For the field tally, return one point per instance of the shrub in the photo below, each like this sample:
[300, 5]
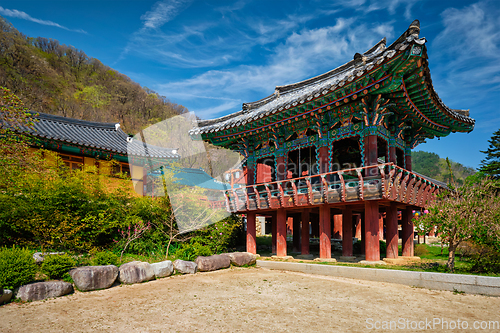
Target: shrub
[420, 250]
[487, 260]
[190, 251]
[383, 247]
[17, 267]
[105, 258]
[56, 266]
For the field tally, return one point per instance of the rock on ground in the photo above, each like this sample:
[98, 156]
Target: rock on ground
[42, 290]
[5, 295]
[213, 263]
[185, 267]
[136, 272]
[94, 277]
[241, 258]
[163, 268]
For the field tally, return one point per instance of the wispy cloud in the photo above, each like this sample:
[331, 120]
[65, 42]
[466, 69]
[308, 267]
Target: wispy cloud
[368, 6]
[469, 50]
[162, 12]
[302, 55]
[22, 15]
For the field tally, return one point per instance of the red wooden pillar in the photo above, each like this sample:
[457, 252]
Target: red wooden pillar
[273, 231]
[337, 226]
[370, 147]
[391, 237]
[281, 168]
[251, 236]
[357, 224]
[407, 238]
[296, 233]
[392, 155]
[363, 236]
[325, 246]
[408, 165]
[380, 226]
[347, 232]
[281, 233]
[323, 160]
[305, 232]
[372, 247]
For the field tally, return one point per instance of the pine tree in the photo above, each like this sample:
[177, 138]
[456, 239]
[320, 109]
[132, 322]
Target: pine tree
[491, 164]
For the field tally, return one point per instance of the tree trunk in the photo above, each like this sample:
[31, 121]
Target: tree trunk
[451, 256]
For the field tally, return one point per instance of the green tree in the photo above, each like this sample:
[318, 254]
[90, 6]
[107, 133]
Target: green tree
[471, 212]
[491, 164]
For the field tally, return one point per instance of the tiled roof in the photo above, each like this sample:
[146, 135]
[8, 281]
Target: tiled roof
[288, 96]
[96, 135]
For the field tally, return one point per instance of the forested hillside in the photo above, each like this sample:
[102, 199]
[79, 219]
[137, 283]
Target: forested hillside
[62, 80]
[431, 165]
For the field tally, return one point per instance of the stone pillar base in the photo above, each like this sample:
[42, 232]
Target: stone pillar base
[325, 260]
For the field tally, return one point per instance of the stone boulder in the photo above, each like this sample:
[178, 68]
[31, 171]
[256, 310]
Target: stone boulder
[185, 267]
[94, 277]
[5, 295]
[136, 272]
[42, 290]
[242, 258]
[213, 263]
[163, 268]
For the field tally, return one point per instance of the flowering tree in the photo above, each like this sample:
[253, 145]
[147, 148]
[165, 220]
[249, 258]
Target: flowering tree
[469, 212]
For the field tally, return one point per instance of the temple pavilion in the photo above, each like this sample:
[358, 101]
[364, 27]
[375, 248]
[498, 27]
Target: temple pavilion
[338, 146]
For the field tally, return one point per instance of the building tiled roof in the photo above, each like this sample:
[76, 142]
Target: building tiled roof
[291, 95]
[96, 135]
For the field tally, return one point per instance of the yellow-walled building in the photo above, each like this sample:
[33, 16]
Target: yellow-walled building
[82, 144]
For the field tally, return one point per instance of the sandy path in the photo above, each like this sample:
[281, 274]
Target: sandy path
[245, 300]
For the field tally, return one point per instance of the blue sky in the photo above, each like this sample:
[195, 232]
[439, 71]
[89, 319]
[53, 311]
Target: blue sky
[211, 56]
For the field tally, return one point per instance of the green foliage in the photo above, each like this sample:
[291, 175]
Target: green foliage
[57, 266]
[491, 164]
[471, 212]
[431, 165]
[53, 207]
[62, 80]
[486, 261]
[420, 250]
[105, 258]
[383, 247]
[17, 267]
[217, 238]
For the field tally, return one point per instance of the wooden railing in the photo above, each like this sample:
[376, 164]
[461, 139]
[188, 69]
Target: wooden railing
[390, 182]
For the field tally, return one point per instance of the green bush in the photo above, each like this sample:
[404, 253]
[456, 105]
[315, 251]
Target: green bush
[57, 266]
[486, 261]
[190, 251]
[105, 258]
[420, 250]
[17, 267]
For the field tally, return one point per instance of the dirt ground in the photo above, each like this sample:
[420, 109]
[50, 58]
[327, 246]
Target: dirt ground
[250, 300]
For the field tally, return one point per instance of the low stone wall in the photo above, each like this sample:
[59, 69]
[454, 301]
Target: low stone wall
[472, 284]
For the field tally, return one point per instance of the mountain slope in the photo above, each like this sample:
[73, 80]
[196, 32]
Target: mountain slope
[431, 165]
[59, 79]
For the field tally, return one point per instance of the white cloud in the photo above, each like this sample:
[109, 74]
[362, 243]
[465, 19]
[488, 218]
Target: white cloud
[367, 6]
[162, 12]
[301, 56]
[22, 15]
[469, 50]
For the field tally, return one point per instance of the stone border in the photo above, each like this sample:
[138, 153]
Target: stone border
[471, 284]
